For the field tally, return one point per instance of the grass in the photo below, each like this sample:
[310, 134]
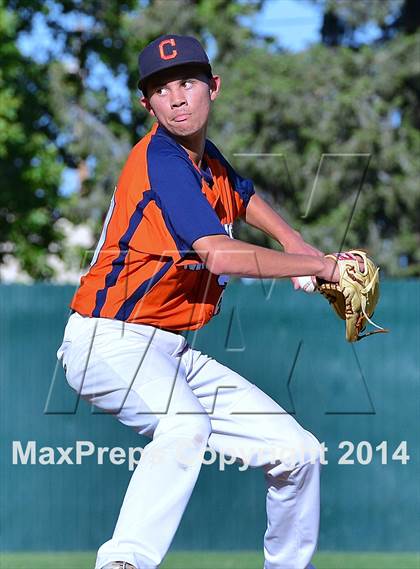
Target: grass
[219, 560]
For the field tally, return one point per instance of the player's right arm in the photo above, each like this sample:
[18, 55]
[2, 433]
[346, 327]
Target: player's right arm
[225, 256]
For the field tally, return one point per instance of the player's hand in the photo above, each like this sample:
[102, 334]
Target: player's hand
[330, 271]
[299, 247]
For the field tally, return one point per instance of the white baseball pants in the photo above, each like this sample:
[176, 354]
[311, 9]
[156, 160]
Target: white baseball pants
[153, 381]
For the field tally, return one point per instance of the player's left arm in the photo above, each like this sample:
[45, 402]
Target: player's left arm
[261, 215]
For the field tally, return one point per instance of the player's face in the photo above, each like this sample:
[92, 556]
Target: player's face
[180, 99]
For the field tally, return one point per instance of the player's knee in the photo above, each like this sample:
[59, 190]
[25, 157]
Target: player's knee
[195, 428]
[311, 448]
[302, 448]
[190, 443]
[200, 429]
[307, 450]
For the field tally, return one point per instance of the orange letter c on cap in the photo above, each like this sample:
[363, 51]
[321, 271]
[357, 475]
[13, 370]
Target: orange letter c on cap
[173, 53]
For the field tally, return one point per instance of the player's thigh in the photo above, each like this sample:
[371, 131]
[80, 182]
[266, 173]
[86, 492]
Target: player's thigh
[129, 376]
[245, 421]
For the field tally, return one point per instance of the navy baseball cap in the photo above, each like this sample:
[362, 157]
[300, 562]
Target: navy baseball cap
[171, 51]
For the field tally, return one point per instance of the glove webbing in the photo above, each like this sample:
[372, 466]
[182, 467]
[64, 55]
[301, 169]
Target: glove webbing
[364, 292]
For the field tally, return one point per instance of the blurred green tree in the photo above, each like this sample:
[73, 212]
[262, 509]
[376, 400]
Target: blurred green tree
[332, 119]
[340, 118]
[30, 165]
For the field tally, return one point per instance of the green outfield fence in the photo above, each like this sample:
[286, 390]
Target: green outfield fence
[362, 401]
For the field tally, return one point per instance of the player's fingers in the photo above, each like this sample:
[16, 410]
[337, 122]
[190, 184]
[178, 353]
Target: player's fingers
[295, 282]
[361, 263]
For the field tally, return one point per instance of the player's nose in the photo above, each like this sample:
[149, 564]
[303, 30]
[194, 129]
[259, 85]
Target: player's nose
[177, 98]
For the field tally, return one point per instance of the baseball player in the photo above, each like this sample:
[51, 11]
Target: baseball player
[160, 267]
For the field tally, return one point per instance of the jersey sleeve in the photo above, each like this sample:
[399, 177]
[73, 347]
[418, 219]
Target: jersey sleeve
[178, 190]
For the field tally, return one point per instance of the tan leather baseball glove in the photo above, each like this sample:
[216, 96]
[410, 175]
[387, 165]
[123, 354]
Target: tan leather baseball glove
[356, 294]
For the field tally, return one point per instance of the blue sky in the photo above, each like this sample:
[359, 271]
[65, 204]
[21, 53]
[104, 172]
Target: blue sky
[294, 23]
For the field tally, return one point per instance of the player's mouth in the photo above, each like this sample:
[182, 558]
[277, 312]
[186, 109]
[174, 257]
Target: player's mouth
[181, 117]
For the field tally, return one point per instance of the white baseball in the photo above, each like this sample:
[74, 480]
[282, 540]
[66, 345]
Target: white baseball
[306, 284]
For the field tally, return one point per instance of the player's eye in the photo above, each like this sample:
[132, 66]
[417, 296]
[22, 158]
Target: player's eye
[188, 83]
[160, 90]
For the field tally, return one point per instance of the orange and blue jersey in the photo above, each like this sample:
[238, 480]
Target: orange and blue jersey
[144, 269]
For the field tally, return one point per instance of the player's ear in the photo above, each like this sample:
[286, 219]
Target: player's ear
[215, 83]
[144, 101]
